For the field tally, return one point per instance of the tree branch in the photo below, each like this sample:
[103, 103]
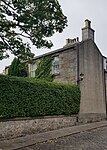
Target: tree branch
[20, 26]
[19, 34]
[4, 40]
[8, 5]
[23, 35]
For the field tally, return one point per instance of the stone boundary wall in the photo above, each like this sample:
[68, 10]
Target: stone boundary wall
[19, 127]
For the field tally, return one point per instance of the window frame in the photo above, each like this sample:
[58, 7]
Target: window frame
[56, 65]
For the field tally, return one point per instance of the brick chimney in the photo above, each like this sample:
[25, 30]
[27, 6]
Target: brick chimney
[87, 31]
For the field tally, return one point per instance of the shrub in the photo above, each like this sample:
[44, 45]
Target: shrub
[29, 98]
[17, 68]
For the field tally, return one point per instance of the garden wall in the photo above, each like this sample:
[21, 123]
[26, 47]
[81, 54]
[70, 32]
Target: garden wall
[21, 127]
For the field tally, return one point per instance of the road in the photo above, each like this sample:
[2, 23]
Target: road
[95, 139]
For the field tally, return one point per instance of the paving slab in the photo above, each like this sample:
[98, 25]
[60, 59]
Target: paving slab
[28, 140]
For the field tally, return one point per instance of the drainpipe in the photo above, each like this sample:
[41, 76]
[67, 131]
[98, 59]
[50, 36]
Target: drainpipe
[78, 78]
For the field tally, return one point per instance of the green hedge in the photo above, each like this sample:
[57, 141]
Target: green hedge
[28, 98]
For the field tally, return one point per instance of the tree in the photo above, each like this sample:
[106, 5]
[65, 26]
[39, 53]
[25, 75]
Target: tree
[32, 19]
[17, 68]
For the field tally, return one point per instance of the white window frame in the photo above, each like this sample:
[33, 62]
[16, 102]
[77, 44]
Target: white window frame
[32, 69]
[55, 66]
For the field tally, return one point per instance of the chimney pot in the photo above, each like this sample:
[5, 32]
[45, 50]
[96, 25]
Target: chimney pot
[87, 23]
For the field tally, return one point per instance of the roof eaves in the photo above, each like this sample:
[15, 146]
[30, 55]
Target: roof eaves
[56, 51]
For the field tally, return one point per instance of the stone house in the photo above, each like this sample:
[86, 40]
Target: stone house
[81, 63]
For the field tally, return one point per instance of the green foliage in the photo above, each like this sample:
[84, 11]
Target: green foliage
[20, 97]
[43, 70]
[17, 68]
[32, 19]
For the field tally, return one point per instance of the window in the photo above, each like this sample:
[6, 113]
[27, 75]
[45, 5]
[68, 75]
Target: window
[55, 65]
[105, 63]
[32, 68]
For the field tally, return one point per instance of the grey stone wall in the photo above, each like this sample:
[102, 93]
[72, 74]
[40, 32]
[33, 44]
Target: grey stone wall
[68, 66]
[92, 86]
[17, 128]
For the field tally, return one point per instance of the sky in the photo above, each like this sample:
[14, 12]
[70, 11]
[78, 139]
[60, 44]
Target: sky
[77, 11]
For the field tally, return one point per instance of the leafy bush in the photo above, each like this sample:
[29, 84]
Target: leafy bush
[17, 68]
[29, 98]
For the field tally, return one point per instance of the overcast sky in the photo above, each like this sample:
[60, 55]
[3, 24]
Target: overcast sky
[77, 11]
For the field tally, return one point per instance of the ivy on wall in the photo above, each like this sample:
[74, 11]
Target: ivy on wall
[43, 70]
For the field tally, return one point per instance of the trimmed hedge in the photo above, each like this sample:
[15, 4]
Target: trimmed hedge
[20, 97]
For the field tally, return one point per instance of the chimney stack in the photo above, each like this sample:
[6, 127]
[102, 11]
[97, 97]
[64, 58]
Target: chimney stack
[87, 31]
[70, 42]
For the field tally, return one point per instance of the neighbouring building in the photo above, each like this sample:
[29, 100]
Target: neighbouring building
[81, 63]
[5, 71]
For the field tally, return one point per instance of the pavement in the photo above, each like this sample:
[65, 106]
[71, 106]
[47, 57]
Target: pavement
[34, 139]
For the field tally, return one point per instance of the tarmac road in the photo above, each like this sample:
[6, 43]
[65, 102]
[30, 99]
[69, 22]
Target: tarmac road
[95, 139]
[92, 136]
